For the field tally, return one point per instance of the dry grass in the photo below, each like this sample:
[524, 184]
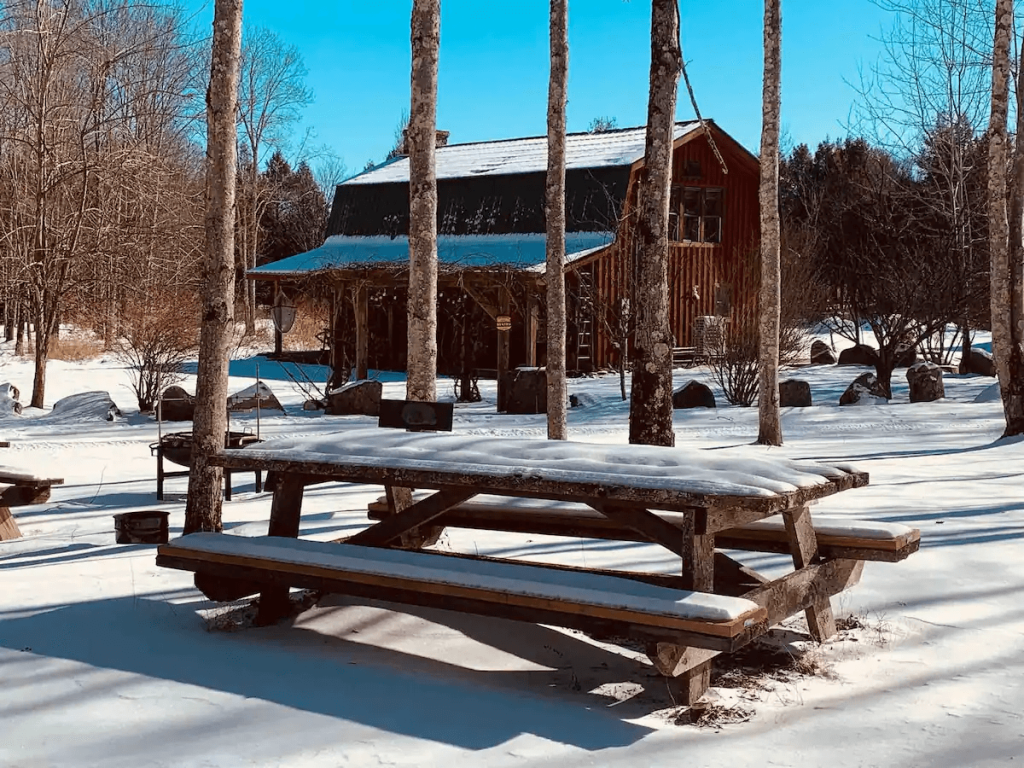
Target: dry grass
[241, 615]
[71, 348]
[311, 318]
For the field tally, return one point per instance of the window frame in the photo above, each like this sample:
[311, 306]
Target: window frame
[690, 214]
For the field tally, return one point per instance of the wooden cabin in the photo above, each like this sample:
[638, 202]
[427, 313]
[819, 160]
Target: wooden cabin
[492, 249]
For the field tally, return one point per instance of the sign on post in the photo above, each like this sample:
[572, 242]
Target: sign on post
[504, 322]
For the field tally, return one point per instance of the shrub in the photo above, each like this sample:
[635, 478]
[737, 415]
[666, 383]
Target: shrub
[158, 335]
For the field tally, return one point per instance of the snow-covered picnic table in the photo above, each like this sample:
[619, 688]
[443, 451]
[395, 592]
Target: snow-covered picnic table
[675, 497]
[17, 489]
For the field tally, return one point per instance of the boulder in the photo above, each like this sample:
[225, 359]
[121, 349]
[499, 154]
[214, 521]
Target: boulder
[177, 405]
[526, 391]
[865, 390]
[85, 406]
[859, 354]
[693, 394]
[583, 400]
[925, 380]
[9, 400]
[821, 353]
[356, 397]
[247, 399]
[980, 362]
[794, 393]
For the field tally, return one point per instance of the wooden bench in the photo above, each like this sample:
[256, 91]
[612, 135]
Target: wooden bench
[588, 601]
[19, 489]
[837, 537]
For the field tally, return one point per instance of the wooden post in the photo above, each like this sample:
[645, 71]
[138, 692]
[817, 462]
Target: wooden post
[285, 513]
[362, 311]
[335, 351]
[532, 320]
[8, 527]
[803, 543]
[504, 303]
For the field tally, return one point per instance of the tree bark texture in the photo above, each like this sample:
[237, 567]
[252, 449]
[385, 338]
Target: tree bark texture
[203, 508]
[1005, 231]
[770, 296]
[650, 407]
[555, 220]
[422, 305]
[1012, 385]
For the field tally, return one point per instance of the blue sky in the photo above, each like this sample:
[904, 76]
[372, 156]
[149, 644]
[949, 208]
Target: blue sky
[493, 66]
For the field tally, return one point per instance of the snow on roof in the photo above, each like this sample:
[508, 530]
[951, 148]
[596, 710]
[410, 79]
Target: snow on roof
[525, 251]
[529, 155]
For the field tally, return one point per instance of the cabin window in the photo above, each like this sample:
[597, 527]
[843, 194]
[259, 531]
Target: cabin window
[696, 214]
[691, 169]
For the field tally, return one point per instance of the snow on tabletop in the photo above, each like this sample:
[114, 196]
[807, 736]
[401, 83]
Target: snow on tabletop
[736, 472]
[17, 474]
[528, 155]
[587, 588]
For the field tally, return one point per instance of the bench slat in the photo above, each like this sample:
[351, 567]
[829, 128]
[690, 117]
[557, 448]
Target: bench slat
[505, 583]
[837, 537]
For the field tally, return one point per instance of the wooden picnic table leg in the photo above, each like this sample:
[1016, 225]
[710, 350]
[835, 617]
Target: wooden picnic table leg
[400, 499]
[285, 513]
[690, 677]
[8, 527]
[803, 543]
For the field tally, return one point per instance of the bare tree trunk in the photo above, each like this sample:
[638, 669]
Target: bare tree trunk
[555, 216]
[650, 407]
[203, 509]
[1005, 233]
[422, 306]
[1012, 386]
[770, 297]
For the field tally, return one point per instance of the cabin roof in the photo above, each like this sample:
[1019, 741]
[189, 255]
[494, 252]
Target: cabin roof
[608, 149]
[518, 251]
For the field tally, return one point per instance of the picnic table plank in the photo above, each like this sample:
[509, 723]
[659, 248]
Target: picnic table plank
[645, 493]
[12, 476]
[506, 584]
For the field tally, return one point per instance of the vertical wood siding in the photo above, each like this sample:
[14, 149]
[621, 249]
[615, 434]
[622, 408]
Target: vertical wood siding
[700, 266]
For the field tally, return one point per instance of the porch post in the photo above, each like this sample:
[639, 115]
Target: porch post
[504, 304]
[362, 311]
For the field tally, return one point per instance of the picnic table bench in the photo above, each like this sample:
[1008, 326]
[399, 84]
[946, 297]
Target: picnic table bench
[687, 501]
[18, 489]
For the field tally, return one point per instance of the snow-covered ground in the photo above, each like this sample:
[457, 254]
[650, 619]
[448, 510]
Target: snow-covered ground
[106, 660]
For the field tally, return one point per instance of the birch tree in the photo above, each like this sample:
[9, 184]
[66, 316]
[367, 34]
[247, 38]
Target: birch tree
[422, 304]
[203, 509]
[555, 219]
[1006, 249]
[770, 297]
[650, 407]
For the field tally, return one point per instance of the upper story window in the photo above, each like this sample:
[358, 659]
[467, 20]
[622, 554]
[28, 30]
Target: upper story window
[696, 214]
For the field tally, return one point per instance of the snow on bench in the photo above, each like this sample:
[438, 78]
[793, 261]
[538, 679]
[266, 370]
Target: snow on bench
[837, 537]
[511, 589]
